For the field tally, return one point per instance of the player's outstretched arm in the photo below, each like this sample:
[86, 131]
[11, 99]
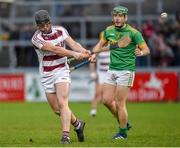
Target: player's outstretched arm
[99, 47]
[61, 51]
[74, 45]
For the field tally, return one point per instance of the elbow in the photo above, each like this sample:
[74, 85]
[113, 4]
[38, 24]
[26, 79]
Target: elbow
[148, 51]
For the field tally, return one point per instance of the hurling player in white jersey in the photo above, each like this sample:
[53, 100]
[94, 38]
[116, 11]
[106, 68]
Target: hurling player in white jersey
[49, 42]
[98, 73]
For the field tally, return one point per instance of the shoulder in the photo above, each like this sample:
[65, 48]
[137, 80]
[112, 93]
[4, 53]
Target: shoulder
[111, 27]
[108, 30]
[37, 35]
[37, 40]
[132, 29]
[61, 30]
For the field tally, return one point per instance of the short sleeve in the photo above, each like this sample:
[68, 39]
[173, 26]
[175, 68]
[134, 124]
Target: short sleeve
[65, 33]
[102, 36]
[37, 41]
[138, 38]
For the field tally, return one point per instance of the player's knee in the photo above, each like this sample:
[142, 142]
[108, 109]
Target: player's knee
[120, 104]
[106, 101]
[62, 103]
[63, 97]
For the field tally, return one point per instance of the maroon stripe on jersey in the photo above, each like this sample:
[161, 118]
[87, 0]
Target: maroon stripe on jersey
[50, 68]
[104, 70]
[51, 58]
[52, 36]
[104, 63]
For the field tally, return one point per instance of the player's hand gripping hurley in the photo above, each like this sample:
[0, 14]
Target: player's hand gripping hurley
[83, 63]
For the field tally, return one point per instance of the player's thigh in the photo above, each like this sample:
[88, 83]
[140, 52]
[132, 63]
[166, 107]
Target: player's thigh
[53, 102]
[124, 78]
[48, 84]
[122, 93]
[62, 91]
[108, 92]
[62, 84]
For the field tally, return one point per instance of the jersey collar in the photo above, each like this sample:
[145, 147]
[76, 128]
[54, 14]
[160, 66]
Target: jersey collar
[120, 29]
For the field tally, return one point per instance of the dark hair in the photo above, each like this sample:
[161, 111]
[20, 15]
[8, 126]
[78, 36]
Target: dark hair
[42, 16]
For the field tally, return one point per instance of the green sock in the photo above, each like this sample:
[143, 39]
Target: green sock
[123, 130]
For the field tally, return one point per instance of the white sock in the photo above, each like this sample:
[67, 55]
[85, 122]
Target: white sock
[78, 125]
[93, 112]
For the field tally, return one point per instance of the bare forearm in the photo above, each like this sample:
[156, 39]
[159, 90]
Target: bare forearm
[58, 50]
[97, 49]
[142, 51]
[63, 52]
[100, 47]
[77, 47]
[145, 52]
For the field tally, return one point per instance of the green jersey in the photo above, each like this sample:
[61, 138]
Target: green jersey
[123, 57]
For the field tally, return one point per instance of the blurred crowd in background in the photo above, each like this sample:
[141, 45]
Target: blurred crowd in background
[162, 36]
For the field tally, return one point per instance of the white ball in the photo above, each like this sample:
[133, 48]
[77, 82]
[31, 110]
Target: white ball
[164, 15]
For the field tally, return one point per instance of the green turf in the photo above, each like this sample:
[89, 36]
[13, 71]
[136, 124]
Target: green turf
[34, 124]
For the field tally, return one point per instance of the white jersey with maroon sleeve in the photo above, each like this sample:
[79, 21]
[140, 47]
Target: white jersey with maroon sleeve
[103, 65]
[48, 61]
[103, 61]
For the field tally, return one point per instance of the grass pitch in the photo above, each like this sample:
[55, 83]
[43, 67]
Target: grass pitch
[34, 124]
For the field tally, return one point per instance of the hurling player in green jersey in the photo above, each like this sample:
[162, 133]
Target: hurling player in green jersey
[125, 44]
